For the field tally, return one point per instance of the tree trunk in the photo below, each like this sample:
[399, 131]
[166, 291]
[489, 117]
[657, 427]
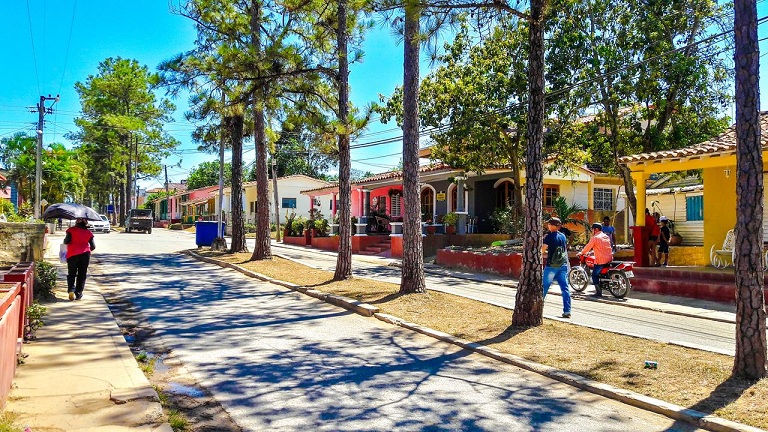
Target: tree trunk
[529, 304]
[276, 197]
[413, 256]
[262, 250]
[750, 358]
[235, 131]
[344, 257]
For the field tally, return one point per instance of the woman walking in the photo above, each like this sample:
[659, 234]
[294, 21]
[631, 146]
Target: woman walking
[79, 241]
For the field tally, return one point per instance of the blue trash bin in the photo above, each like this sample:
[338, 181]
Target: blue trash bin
[205, 232]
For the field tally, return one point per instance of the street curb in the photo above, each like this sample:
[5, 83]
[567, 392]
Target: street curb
[676, 412]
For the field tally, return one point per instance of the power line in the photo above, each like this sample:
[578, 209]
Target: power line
[69, 42]
[34, 55]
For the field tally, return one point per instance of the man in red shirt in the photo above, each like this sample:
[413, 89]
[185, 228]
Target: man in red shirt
[600, 243]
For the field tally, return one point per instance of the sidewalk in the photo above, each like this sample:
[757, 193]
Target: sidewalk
[704, 309]
[79, 374]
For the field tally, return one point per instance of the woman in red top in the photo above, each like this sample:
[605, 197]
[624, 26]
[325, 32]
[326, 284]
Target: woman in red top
[79, 241]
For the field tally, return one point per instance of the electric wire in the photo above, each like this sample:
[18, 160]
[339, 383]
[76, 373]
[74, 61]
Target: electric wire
[34, 55]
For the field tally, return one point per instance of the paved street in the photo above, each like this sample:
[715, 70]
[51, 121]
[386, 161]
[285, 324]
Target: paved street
[280, 360]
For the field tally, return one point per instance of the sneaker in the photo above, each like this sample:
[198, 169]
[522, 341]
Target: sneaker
[78, 296]
[71, 296]
[567, 315]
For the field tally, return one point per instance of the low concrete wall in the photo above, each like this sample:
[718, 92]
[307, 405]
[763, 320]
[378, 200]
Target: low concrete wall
[688, 256]
[21, 242]
[326, 243]
[298, 241]
[509, 264]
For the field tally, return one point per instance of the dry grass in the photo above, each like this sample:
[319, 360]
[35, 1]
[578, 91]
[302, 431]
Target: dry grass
[687, 377]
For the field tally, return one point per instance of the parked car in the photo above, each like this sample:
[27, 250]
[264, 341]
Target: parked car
[100, 226]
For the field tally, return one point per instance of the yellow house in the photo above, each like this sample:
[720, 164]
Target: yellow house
[717, 160]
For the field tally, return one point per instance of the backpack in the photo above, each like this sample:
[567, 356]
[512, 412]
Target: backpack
[558, 258]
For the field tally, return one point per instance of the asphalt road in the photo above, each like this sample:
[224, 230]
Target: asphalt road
[280, 360]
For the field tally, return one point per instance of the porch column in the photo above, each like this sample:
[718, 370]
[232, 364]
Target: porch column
[366, 204]
[333, 206]
[311, 203]
[362, 224]
[461, 208]
[639, 178]
[640, 232]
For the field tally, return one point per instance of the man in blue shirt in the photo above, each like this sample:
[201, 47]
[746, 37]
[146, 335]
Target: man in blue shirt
[556, 245]
[610, 231]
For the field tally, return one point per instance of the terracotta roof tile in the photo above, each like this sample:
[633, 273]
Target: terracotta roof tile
[724, 143]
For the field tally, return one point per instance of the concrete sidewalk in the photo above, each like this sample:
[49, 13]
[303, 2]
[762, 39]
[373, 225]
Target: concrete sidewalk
[79, 374]
[704, 309]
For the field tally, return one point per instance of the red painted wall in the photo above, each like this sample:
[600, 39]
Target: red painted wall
[298, 241]
[397, 246]
[505, 264]
[326, 243]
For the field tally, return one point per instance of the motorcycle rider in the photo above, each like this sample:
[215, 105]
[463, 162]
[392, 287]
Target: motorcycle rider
[600, 243]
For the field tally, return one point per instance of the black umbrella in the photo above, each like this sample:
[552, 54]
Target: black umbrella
[70, 211]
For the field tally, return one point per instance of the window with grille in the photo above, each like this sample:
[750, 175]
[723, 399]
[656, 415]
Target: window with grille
[603, 199]
[396, 209]
[550, 193]
[427, 203]
[504, 194]
[288, 203]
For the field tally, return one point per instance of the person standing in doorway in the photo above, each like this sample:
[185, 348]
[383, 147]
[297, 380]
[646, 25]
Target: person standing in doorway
[601, 245]
[79, 241]
[556, 268]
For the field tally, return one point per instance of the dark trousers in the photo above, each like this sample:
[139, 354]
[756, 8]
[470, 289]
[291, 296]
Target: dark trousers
[78, 267]
[596, 277]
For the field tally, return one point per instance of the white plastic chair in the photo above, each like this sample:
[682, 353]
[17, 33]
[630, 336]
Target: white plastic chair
[471, 225]
[722, 258]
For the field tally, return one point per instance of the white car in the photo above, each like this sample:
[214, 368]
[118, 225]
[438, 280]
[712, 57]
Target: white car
[100, 226]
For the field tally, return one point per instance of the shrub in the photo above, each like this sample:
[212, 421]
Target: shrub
[45, 279]
[250, 228]
[297, 227]
[176, 226]
[322, 227]
[272, 227]
[505, 222]
[289, 218]
[35, 314]
[450, 219]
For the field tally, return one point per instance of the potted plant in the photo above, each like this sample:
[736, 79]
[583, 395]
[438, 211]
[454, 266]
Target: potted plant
[674, 237]
[450, 220]
[431, 229]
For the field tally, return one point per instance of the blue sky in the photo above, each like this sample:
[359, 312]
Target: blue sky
[146, 31]
[49, 45]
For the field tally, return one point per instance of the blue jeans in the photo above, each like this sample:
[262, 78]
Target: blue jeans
[596, 277]
[559, 273]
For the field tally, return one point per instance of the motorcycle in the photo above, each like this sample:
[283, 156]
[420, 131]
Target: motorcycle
[614, 277]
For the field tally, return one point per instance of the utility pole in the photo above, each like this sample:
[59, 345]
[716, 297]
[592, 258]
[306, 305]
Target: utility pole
[41, 112]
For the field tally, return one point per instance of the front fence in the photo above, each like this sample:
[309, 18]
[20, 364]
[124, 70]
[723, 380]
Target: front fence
[16, 294]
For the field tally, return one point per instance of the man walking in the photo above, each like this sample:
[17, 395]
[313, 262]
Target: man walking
[556, 266]
[601, 245]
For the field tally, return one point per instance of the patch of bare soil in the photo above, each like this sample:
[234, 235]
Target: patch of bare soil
[179, 392]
